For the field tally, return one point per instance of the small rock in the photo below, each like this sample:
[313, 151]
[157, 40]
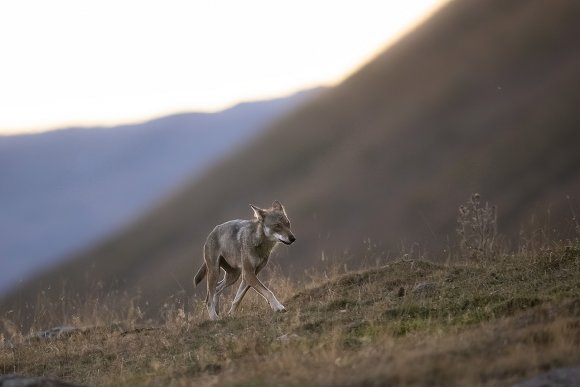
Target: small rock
[353, 326]
[559, 377]
[285, 338]
[424, 288]
[25, 381]
[55, 332]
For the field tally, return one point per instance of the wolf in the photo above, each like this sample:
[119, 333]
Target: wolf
[243, 247]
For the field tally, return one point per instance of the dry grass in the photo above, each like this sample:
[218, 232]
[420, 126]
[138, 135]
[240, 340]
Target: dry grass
[461, 324]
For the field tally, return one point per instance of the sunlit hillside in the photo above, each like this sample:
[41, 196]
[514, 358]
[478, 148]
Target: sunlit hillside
[406, 323]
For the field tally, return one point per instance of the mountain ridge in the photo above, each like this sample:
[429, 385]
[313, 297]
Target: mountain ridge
[65, 189]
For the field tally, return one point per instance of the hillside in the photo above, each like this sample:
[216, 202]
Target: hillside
[65, 189]
[481, 98]
[410, 322]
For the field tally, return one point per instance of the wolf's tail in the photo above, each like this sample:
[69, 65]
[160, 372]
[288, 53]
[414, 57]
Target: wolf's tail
[200, 274]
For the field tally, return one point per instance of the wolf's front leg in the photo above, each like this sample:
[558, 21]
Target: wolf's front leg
[216, 302]
[254, 282]
[212, 311]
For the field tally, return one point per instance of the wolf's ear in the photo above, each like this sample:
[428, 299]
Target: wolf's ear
[258, 212]
[277, 206]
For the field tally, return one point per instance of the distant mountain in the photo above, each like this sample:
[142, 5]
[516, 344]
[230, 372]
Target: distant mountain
[65, 189]
[481, 98]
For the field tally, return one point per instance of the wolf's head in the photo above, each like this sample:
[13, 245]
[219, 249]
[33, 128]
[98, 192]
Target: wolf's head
[275, 222]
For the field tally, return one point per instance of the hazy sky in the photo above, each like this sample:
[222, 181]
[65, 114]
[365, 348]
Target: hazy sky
[85, 62]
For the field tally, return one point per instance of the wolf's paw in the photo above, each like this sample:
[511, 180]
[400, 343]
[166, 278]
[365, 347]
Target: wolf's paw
[279, 308]
[213, 316]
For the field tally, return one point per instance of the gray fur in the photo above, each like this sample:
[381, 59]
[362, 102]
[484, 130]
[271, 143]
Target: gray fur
[242, 248]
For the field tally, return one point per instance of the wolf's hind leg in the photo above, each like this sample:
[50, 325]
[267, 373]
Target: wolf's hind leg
[231, 276]
[213, 271]
[242, 289]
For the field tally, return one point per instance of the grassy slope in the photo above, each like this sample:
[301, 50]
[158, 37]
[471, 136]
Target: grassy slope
[482, 98]
[480, 324]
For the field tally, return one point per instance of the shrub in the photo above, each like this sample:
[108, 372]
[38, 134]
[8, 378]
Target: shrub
[477, 229]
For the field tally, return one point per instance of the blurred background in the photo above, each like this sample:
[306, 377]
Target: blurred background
[370, 121]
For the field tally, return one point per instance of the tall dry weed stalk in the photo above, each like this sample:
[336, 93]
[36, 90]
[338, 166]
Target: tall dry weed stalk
[477, 229]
